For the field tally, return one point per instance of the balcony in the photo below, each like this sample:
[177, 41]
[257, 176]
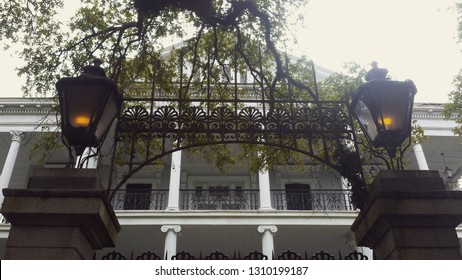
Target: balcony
[336, 200]
[219, 200]
[140, 200]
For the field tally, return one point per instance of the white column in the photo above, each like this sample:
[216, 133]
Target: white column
[265, 193]
[344, 182]
[267, 240]
[7, 171]
[174, 185]
[367, 252]
[170, 240]
[91, 163]
[420, 157]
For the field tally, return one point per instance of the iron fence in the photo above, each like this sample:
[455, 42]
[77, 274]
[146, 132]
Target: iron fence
[253, 255]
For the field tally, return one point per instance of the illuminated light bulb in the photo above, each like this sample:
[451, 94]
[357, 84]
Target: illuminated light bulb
[387, 121]
[82, 121]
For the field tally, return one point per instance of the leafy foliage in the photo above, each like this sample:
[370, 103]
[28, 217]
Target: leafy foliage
[129, 34]
[453, 109]
[20, 17]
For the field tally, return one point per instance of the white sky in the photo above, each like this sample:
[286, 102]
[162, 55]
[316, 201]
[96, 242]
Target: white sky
[414, 39]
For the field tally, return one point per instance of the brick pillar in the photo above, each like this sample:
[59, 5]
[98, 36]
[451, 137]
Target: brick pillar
[410, 215]
[63, 214]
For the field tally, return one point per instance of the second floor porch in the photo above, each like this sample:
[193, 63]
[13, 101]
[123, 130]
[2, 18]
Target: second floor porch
[225, 199]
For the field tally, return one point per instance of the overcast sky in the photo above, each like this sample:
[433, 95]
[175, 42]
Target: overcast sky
[414, 39]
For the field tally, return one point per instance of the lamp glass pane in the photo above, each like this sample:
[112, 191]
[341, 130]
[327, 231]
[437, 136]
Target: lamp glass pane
[387, 104]
[393, 111]
[109, 113]
[81, 101]
[365, 119]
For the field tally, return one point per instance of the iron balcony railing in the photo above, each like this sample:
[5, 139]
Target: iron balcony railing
[140, 199]
[312, 200]
[219, 200]
[233, 200]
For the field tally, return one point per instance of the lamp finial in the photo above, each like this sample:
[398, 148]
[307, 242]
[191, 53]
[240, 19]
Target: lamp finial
[376, 73]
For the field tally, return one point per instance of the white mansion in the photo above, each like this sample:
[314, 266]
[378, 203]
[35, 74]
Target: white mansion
[186, 205]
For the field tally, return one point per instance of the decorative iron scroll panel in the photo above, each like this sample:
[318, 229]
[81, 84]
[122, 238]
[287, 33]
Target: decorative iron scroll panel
[317, 123]
[309, 128]
[156, 122]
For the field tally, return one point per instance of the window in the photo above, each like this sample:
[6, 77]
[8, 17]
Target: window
[243, 77]
[137, 197]
[227, 75]
[239, 192]
[219, 191]
[212, 198]
[298, 197]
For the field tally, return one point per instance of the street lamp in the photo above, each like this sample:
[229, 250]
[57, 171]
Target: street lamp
[383, 109]
[447, 171]
[412, 208]
[67, 203]
[88, 105]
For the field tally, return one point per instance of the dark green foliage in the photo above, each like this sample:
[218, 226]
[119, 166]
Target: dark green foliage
[453, 109]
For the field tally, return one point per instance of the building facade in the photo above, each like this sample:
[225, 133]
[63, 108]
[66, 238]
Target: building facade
[183, 203]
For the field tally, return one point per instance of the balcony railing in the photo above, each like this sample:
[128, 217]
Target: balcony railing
[233, 200]
[140, 200]
[311, 200]
[219, 200]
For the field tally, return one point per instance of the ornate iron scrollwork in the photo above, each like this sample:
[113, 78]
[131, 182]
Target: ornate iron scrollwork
[163, 123]
[164, 118]
[134, 118]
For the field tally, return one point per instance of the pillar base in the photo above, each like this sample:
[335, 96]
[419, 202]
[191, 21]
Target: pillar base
[59, 218]
[266, 208]
[410, 215]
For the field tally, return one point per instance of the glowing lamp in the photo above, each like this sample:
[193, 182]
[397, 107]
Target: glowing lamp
[88, 105]
[383, 109]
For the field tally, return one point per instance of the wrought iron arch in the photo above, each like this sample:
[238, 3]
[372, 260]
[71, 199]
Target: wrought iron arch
[230, 112]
